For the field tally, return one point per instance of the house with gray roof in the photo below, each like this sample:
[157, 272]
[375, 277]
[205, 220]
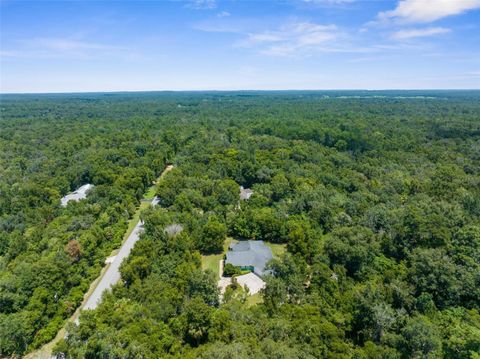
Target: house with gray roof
[79, 194]
[249, 255]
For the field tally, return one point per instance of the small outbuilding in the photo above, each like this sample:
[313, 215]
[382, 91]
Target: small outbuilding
[173, 229]
[245, 193]
[249, 255]
[80, 193]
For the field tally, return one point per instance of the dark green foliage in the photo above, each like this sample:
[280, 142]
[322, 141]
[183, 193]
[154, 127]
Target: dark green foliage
[377, 200]
[421, 339]
[212, 236]
[230, 270]
[204, 285]
[354, 248]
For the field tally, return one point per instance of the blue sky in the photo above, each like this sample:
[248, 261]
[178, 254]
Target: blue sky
[70, 46]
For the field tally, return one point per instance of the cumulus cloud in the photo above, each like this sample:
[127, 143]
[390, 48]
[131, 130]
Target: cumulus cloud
[422, 11]
[292, 38]
[406, 34]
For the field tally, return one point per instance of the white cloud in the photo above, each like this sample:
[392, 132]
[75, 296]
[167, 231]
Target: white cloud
[292, 38]
[66, 45]
[422, 11]
[9, 54]
[413, 33]
[44, 48]
[265, 37]
[223, 14]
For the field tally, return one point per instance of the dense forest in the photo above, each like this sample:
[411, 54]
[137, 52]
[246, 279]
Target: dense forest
[375, 195]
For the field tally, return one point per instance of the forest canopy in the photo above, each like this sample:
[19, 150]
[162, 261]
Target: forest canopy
[375, 195]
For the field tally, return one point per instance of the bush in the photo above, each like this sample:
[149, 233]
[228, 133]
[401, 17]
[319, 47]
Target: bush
[230, 270]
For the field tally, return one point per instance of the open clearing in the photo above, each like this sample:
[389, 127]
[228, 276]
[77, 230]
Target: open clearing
[150, 193]
[278, 249]
[254, 299]
[212, 261]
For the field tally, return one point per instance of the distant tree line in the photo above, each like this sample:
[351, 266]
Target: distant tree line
[377, 200]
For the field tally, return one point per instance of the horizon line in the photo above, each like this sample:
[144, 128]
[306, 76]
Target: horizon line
[237, 90]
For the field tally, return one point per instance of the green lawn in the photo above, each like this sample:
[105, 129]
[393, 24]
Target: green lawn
[136, 217]
[150, 193]
[254, 299]
[211, 261]
[277, 249]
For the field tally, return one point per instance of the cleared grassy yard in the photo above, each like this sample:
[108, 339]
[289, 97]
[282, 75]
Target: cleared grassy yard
[150, 193]
[212, 260]
[254, 299]
[277, 249]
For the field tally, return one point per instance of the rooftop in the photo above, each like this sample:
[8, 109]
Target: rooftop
[245, 193]
[173, 229]
[249, 254]
[80, 193]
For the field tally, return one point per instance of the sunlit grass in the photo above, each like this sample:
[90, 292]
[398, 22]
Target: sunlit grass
[277, 249]
[254, 299]
[150, 194]
[211, 261]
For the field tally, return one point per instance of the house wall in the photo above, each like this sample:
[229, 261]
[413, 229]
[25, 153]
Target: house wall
[251, 268]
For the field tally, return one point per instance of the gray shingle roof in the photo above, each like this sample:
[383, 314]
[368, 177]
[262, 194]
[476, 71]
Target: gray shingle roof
[249, 253]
